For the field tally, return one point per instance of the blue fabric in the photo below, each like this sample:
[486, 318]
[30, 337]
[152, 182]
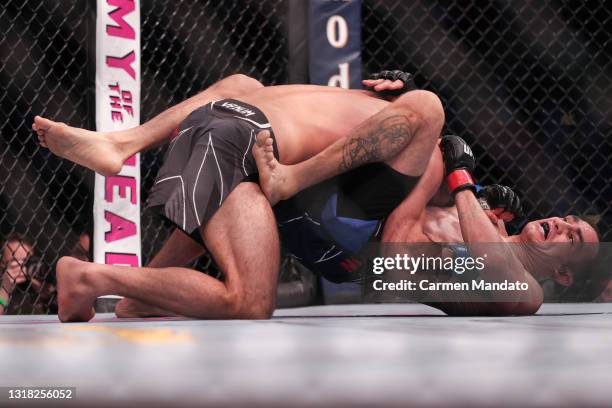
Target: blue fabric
[350, 233]
[322, 241]
[459, 251]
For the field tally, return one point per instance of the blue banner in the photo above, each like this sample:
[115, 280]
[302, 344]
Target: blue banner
[335, 43]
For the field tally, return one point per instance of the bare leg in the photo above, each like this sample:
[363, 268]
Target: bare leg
[241, 236]
[105, 152]
[178, 250]
[403, 135]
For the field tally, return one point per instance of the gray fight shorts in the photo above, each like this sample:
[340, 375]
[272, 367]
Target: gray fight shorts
[208, 158]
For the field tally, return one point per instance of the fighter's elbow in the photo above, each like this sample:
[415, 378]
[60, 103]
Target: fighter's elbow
[524, 308]
[527, 308]
[489, 308]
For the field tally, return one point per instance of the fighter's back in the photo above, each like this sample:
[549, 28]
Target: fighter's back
[307, 118]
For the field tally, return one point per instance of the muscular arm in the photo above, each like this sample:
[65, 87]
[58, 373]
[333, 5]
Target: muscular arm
[501, 263]
[405, 225]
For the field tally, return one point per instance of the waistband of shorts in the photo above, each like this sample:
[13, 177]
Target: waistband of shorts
[241, 110]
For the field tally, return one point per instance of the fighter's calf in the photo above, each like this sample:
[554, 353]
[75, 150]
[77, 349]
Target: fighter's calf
[243, 239]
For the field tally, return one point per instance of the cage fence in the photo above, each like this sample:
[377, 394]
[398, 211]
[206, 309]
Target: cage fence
[528, 84]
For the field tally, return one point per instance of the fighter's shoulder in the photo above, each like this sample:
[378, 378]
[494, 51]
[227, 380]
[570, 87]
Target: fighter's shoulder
[528, 301]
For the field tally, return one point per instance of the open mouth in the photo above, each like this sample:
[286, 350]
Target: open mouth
[545, 229]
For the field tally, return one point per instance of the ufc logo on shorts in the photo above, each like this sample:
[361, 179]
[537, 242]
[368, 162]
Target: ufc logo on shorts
[467, 150]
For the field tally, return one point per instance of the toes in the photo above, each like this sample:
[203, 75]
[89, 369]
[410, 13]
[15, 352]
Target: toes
[42, 123]
[258, 151]
[269, 155]
[262, 137]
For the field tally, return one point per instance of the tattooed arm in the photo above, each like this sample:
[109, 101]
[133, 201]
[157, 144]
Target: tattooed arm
[377, 143]
[403, 135]
[380, 138]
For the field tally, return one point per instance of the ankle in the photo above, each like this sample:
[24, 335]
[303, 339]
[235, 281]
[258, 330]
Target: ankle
[295, 181]
[117, 139]
[91, 279]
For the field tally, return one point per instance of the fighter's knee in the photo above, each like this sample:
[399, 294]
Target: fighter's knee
[425, 106]
[259, 311]
[246, 307]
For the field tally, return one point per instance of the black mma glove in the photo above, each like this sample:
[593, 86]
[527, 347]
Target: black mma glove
[459, 164]
[498, 196]
[405, 77]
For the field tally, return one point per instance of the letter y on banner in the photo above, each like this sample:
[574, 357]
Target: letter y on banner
[117, 198]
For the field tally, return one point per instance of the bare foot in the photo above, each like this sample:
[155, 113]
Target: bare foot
[89, 149]
[74, 295]
[127, 308]
[274, 178]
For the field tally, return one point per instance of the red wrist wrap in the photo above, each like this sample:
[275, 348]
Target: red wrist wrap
[459, 178]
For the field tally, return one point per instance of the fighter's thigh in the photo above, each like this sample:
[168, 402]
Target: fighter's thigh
[242, 238]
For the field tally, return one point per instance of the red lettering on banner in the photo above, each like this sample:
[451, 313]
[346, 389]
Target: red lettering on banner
[126, 97]
[123, 100]
[124, 63]
[120, 227]
[118, 35]
[113, 258]
[131, 161]
[116, 116]
[124, 183]
[122, 29]
[115, 102]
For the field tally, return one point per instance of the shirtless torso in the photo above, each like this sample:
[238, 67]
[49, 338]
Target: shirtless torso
[291, 109]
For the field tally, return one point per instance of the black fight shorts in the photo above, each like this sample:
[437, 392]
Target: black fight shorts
[205, 162]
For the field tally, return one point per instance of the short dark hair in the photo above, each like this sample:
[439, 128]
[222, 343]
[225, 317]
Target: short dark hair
[590, 280]
[592, 221]
[590, 277]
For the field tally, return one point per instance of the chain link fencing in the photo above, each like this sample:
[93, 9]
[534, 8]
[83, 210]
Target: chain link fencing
[528, 84]
[45, 68]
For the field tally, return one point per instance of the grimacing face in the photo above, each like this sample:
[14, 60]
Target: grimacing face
[579, 238]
